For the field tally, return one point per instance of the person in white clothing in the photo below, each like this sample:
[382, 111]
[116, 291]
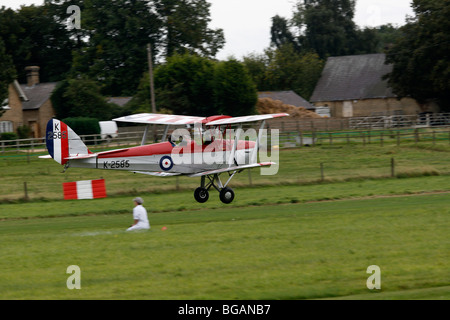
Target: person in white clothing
[139, 216]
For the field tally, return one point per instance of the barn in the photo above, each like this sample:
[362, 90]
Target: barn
[353, 86]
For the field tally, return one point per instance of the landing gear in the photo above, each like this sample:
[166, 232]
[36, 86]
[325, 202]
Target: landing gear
[226, 194]
[201, 195]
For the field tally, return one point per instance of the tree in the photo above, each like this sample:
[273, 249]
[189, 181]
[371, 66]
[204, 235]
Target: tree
[81, 98]
[387, 35]
[325, 27]
[185, 27]
[193, 85]
[256, 65]
[420, 57]
[285, 68]
[328, 26]
[7, 74]
[34, 37]
[234, 91]
[117, 34]
[184, 85]
[281, 34]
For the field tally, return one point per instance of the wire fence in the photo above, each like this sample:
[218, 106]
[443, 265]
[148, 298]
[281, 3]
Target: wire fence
[306, 157]
[288, 138]
[365, 137]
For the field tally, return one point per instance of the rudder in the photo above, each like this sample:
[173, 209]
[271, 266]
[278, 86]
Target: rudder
[62, 141]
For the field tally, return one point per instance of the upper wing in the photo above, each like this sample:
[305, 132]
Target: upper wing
[172, 119]
[233, 168]
[155, 118]
[246, 119]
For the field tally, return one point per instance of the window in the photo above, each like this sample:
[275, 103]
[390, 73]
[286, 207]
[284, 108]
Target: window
[6, 126]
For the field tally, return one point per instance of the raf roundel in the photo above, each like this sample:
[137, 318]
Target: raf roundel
[166, 163]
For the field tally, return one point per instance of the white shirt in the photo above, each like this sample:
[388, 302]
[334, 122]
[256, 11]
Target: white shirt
[140, 214]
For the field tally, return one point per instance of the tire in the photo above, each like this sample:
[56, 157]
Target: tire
[201, 195]
[226, 195]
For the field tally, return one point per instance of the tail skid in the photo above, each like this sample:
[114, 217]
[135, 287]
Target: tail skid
[62, 142]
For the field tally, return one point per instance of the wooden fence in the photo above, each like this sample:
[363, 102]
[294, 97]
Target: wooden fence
[292, 133]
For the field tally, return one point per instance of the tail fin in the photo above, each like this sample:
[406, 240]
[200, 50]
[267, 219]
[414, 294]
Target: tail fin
[62, 142]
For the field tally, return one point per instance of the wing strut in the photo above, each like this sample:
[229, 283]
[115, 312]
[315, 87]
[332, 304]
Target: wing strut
[144, 137]
[254, 155]
[231, 161]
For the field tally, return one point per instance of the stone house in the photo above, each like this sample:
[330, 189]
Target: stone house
[353, 86]
[28, 105]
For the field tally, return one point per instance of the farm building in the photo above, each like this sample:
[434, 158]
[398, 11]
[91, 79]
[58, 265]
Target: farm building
[28, 105]
[353, 86]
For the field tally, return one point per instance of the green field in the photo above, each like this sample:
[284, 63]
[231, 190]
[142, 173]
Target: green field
[292, 251]
[289, 236]
[297, 166]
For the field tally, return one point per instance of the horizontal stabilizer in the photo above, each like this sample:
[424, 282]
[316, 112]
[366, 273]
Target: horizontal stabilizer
[81, 156]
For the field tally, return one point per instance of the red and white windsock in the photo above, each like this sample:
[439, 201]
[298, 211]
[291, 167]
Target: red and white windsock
[86, 189]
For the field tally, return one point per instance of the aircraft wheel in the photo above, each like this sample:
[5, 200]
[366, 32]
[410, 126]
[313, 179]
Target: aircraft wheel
[226, 195]
[201, 195]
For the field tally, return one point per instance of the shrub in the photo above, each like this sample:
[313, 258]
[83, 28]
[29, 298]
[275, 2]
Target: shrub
[83, 125]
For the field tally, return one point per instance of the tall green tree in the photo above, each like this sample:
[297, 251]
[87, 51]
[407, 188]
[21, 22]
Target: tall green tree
[7, 74]
[234, 90]
[257, 65]
[184, 85]
[115, 50]
[420, 57]
[81, 98]
[33, 36]
[194, 85]
[185, 27]
[329, 26]
[280, 33]
[284, 68]
[117, 33]
[325, 27]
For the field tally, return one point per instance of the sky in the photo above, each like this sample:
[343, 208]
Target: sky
[246, 23]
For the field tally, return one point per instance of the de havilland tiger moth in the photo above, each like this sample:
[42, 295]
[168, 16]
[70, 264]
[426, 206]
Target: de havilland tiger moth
[215, 149]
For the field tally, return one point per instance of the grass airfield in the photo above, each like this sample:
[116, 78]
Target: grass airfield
[282, 239]
[309, 250]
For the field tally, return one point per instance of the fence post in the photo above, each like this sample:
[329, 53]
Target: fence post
[314, 138]
[392, 167]
[25, 189]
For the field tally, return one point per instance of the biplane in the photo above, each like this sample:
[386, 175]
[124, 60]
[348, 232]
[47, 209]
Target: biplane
[214, 149]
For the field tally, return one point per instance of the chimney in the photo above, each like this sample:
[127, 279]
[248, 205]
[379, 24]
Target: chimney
[32, 75]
